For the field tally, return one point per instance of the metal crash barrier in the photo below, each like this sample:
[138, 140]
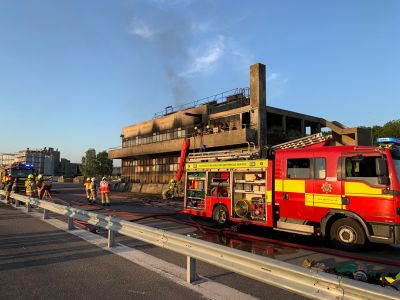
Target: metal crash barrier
[305, 282]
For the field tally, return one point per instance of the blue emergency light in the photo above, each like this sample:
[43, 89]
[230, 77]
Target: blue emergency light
[389, 140]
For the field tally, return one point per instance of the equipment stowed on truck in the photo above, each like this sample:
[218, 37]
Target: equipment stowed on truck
[348, 194]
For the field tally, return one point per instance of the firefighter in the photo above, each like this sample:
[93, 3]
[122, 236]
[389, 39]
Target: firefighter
[170, 193]
[197, 130]
[8, 187]
[14, 187]
[93, 188]
[87, 189]
[4, 179]
[29, 185]
[208, 129]
[104, 190]
[40, 186]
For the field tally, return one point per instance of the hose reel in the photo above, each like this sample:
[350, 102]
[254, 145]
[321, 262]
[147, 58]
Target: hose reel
[241, 208]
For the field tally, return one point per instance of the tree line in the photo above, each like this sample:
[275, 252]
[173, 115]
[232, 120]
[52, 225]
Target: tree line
[96, 164]
[389, 129]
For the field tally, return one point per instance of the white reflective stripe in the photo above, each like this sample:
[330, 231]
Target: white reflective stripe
[103, 184]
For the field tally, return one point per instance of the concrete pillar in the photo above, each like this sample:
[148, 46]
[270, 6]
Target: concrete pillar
[258, 101]
[284, 128]
[315, 128]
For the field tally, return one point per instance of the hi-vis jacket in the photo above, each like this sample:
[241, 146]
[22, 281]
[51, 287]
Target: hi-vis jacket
[104, 186]
[87, 185]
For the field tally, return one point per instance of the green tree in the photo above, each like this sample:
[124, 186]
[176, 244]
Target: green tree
[89, 164]
[104, 164]
[390, 129]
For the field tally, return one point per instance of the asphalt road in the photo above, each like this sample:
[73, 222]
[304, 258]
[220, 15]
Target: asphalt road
[38, 261]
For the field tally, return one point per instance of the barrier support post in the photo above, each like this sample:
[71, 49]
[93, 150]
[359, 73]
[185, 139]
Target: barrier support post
[70, 223]
[28, 207]
[190, 269]
[111, 238]
[45, 214]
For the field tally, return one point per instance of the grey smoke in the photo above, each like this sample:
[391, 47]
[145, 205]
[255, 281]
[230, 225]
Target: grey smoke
[171, 35]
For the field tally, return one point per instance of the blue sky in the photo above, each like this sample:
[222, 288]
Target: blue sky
[73, 73]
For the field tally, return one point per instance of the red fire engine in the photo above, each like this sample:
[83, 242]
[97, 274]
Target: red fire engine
[18, 172]
[348, 194]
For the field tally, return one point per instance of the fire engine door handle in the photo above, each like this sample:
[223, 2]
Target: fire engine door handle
[285, 196]
[345, 201]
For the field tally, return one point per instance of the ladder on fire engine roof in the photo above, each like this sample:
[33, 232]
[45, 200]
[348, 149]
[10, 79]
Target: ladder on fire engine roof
[223, 155]
[249, 154]
[303, 142]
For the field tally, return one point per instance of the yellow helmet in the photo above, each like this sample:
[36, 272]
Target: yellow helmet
[88, 179]
[40, 176]
[172, 180]
[30, 176]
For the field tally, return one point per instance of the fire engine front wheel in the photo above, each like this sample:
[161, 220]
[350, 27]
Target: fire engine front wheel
[348, 234]
[220, 215]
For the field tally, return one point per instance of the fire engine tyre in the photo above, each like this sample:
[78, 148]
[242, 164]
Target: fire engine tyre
[348, 234]
[220, 215]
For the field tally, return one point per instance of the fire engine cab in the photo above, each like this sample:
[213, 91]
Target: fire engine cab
[18, 172]
[348, 194]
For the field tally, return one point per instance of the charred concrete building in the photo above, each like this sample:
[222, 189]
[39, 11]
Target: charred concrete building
[231, 120]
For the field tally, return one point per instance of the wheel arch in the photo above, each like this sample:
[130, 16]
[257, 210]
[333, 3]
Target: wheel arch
[221, 201]
[336, 214]
[227, 220]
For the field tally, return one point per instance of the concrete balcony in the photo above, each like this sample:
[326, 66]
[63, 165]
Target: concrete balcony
[226, 138]
[147, 149]
[222, 139]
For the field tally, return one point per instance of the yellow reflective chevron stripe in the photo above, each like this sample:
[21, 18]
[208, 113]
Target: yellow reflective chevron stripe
[355, 189]
[361, 189]
[262, 163]
[290, 186]
[324, 200]
[295, 186]
[309, 199]
[278, 185]
[269, 196]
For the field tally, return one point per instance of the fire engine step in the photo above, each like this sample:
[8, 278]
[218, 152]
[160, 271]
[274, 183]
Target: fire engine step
[295, 228]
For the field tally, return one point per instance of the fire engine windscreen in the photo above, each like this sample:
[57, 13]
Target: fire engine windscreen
[20, 172]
